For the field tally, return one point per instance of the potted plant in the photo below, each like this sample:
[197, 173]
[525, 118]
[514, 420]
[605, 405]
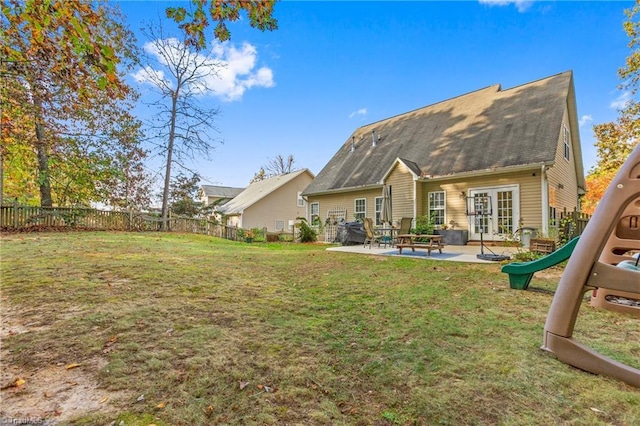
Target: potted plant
[248, 236]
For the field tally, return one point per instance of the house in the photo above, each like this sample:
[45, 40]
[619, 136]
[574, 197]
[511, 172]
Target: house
[211, 194]
[520, 147]
[273, 203]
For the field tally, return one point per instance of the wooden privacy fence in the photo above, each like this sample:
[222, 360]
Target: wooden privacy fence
[16, 217]
[577, 220]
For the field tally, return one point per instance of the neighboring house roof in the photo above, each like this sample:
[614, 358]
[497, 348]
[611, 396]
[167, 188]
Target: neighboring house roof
[485, 130]
[221, 191]
[257, 191]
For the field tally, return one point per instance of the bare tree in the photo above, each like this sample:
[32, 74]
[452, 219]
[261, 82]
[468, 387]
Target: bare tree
[279, 165]
[183, 125]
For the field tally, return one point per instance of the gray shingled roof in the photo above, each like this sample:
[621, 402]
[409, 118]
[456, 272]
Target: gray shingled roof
[221, 191]
[258, 190]
[483, 130]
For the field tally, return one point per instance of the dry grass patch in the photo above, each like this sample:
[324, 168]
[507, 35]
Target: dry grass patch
[177, 329]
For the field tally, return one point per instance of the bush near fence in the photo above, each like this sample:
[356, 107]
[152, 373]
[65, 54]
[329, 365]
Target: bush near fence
[17, 218]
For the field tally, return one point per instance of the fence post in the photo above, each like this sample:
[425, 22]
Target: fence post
[15, 214]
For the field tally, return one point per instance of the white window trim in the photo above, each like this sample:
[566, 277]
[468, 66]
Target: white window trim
[355, 205]
[429, 208]
[311, 205]
[300, 200]
[377, 212]
[566, 138]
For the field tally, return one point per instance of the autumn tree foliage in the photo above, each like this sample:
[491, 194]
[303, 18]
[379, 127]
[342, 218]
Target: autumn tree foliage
[194, 22]
[66, 121]
[616, 140]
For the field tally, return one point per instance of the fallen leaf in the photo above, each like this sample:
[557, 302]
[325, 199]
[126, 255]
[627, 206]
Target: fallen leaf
[595, 410]
[103, 400]
[70, 366]
[260, 386]
[140, 398]
[48, 394]
[14, 384]
[243, 385]
[161, 405]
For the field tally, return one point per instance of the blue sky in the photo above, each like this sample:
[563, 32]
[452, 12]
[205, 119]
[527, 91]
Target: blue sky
[334, 66]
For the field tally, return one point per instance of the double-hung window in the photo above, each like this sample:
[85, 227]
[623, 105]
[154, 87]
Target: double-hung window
[378, 210]
[314, 212]
[360, 208]
[437, 207]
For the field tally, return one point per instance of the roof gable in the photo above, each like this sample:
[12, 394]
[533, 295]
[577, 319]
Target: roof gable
[486, 129]
[258, 190]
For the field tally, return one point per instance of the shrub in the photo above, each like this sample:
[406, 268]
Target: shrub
[307, 233]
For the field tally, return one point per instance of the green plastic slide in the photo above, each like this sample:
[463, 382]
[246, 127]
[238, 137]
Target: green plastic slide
[520, 273]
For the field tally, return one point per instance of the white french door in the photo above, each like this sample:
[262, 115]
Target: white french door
[504, 215]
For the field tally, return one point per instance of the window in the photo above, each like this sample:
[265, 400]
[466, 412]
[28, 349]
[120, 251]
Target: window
[300, 200]
[314, 212]
[437, 207]
[567, 142]
[279, 225]
[378, 210]
[360, 210]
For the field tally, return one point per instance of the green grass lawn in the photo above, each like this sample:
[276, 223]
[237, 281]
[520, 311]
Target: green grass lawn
[182, 329]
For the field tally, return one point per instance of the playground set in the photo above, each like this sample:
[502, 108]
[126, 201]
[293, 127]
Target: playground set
[604, 260]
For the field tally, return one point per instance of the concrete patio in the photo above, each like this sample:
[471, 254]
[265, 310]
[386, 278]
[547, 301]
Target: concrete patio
[466, 254]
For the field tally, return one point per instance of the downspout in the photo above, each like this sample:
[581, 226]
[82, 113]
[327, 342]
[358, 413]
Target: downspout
[545, 200]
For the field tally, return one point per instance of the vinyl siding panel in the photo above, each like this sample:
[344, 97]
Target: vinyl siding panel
[346, 200]
[281, 204]
[456, 207]
[402, 192]
[562, 179]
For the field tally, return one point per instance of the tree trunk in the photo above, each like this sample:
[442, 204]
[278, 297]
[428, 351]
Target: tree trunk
[167, 174]
[43, 158]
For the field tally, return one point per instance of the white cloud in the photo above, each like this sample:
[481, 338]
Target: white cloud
[621, 101]
[149, 75]
[361, 111]
[521, 5]
[238, 73]
[585, 119]
[232, 69]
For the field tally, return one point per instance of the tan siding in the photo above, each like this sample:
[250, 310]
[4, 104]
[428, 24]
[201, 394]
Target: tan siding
[401, 181]
[562, 178]
[281, 204]
[530, 197]
[346, 201]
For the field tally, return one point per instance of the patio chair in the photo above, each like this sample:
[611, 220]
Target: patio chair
[405, 225]
[405, 228]
[371, 234]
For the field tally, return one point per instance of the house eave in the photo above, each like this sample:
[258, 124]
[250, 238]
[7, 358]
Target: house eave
[478, 173]
[342, 190]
